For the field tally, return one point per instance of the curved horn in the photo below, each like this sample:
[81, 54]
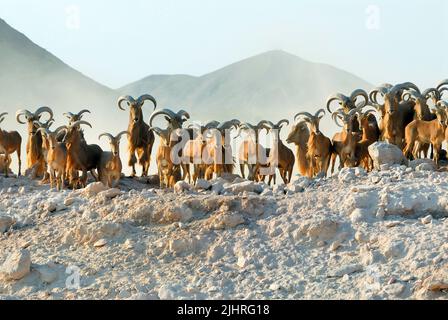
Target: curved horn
[359, 93]
[229, 124]
[304, 113]
[336, 97]
[39, 124]
[141, 100]
[281, 122]
[244, 126]
[24, 112]
[79, 123]
[373, 95]
[442, 104]
[195, 125]
[405, 85]
[44, 109]
[338, 116]
[157, 130]
[43, 130]
[442, 84]
[183, 113]
[80, 113]
[2, 116]
[265, 124]
[166, 112]
[211, 124]
[105, 134]
[128, 99]
[318, 112]
[427, 93]
[60, 129]
[68, 115]
[441, 90]
[118, 136]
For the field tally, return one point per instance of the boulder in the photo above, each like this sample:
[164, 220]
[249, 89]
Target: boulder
[110, 193]
[47, 273]
[245, 186]
[394, 249]
[5, 223]
[428, 163]
[224, 220]
[426, 167]
[202, 184]
[438, 280]
[385, 154]
[94, 188]
[345, 270]
[91, 233]
[17, 265]
[181, 186]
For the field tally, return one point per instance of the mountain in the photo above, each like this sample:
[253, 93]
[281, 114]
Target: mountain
[31, 76]
[271, 85]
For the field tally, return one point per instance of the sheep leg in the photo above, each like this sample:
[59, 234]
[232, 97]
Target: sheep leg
[242, 171]
[20, 161]
[408, 149]
[52, 178]
[95, 176]
[60, 179]
[132, 160]
[437, 148]
[84, 178]
[186, 172]
[283, 174]
[7, 163]
[326, 164]
[290, 173]
[333, 162]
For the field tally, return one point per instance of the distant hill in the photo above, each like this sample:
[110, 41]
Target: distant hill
[30, 76]
[270, 85]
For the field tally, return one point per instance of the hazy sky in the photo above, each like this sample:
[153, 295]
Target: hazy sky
[118, 41]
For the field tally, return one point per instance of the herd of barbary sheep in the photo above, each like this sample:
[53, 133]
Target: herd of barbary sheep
[413, 120]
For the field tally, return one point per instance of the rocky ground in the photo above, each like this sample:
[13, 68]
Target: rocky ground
[381, 235]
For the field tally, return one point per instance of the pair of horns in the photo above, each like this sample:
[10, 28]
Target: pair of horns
[139, 101]
[29, 115]
[349, 101]
[181, 116]
[77, 116]
[111, 137]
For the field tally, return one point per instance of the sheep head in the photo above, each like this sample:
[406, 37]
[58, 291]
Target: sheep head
[31, 117]
[346, 118]
[73, 117]
[441, 111]
[348, 103]
[442, 87]
[135, 106]
[312, 120]
[114, 141]
[392, 96]
[252, 130]
[299, 131]
[49, 137]
[73, 132]
[175, 120]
